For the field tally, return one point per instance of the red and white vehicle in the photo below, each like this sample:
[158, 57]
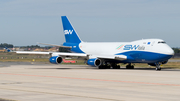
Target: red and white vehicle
[69, 61]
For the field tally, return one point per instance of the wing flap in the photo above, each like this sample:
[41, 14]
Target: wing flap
[31, 52]
[116, 57]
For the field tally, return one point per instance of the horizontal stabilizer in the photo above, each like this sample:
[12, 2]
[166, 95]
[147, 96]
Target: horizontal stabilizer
[55, 45]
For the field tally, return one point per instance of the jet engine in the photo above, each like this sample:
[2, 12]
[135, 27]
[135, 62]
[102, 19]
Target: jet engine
[94, 62]
[55, 59]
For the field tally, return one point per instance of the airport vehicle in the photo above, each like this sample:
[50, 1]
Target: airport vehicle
[69, 61]
[108, 54]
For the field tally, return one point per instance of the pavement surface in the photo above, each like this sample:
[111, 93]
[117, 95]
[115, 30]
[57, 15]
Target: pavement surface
[46, 82]
[174, 60]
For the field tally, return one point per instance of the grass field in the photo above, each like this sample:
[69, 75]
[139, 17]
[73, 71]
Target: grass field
[168, 65]
[13, 57]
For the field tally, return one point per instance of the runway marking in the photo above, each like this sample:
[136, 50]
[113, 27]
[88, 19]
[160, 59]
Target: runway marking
[64, 94]
[94, 79]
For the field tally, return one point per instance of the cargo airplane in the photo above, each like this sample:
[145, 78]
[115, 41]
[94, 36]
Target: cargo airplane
[105, 55]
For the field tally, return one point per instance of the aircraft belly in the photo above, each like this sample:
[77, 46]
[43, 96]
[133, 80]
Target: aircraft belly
[145, 57]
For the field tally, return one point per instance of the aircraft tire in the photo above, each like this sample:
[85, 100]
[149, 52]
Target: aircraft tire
[132, 67]
[104, 67]
[101, 67]
[108, 67]
[116, 67]
[158, 69]
[129, 67]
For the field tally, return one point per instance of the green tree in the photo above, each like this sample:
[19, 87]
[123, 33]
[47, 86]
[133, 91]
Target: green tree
[3, 45]
[176, 50]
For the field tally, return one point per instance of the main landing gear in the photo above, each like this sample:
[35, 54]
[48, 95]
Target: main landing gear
[129, 66]
[115, 66]
[104, 67]
[158, 68]
[109, 66]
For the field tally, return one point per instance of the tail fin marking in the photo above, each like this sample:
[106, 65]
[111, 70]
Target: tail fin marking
[70, 34]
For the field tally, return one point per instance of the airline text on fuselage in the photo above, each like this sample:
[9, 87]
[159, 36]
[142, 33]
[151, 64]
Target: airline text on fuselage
[133, 47]
[130, 47]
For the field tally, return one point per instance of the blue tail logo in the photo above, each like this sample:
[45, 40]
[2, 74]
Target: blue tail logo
[70, 34]
[68, 31]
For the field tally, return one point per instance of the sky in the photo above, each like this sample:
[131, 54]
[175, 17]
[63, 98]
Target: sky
[26, 22]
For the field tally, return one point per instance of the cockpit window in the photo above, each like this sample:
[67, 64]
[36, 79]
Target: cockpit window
[161, 42]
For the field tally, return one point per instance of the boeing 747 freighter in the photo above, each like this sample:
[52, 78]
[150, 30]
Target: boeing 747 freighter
[103, 55]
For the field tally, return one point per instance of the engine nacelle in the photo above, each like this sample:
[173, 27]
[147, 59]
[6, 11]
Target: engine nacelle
[94, 62]
[55, 59]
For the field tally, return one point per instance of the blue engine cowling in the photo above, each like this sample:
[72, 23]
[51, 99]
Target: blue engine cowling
[55, 59]
[94, 62]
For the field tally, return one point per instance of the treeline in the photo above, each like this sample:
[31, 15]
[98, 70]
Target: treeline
[32, 46]
[176, 50]
[3, 45]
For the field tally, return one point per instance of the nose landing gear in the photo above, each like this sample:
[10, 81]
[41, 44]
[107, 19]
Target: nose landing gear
[158, 68]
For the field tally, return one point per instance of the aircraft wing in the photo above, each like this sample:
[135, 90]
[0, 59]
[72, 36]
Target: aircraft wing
[56, 53]
[115, 57]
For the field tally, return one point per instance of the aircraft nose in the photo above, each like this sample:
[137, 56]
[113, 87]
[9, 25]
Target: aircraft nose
[170, 51]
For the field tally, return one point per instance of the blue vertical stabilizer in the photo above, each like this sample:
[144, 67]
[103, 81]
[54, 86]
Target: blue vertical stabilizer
[70, 34]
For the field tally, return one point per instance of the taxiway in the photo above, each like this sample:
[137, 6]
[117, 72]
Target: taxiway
[47, 82]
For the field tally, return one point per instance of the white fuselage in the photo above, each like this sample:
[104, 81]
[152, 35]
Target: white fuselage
[112, 48]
